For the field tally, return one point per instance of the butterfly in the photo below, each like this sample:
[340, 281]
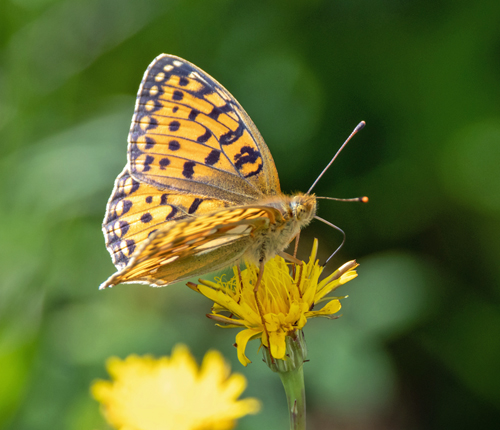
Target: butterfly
[200, 190]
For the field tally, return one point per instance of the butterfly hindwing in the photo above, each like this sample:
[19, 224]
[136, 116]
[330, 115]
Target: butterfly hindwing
[136, 210]
[190, 135]
[175, 252]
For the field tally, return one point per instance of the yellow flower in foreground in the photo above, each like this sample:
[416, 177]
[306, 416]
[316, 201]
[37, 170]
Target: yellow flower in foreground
[284, 302]
[172, 393]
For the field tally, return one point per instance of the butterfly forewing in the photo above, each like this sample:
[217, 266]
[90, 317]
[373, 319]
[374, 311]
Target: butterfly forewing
[189, 134]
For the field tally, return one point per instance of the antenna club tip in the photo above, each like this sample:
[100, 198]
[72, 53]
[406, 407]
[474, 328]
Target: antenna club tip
[364, 199]
[360, 126]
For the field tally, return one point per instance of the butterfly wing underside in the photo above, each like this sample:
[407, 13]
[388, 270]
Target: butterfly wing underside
[174, 254]
[193, 151]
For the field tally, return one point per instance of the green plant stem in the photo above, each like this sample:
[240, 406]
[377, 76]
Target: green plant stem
[292, 376]
[293, 382]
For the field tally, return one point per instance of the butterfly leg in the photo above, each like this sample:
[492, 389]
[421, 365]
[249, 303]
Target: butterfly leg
[296, 248]
[296, 244]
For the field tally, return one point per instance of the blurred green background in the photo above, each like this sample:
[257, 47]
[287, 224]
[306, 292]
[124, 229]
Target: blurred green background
[418, 346]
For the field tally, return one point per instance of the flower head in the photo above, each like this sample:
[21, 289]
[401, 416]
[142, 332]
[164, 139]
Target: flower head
[282, 304]
[172, 393]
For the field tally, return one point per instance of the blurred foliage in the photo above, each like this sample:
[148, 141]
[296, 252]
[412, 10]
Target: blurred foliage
[418, 345]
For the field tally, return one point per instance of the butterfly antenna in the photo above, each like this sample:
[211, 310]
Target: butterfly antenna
[336, 228]
[363, 199]
[358, 128]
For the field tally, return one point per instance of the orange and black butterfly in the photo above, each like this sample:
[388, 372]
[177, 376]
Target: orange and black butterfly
[200, 190]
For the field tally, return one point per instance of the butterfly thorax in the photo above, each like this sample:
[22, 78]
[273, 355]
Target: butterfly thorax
[297, 211]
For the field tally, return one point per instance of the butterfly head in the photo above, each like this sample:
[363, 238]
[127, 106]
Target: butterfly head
[303, 207]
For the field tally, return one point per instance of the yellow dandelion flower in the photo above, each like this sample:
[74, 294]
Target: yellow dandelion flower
[282, 304]
[172, 393]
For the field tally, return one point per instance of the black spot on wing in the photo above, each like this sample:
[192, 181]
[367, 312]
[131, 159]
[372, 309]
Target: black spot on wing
[213, 157]
[135, 187]
[174, 145]
[193, 114]
[174, 125]
[248, 155]
[147, 163]
[218, 110]
[255, 172]
[177, 95]
[164, 162]
[194, 206]
[232, 136]
[146, 217]
[152, 124]
[127, 204]
[204, 137]
[188, 170]
[123, 227]
[172, 213]
[150, 142]
[130, 246]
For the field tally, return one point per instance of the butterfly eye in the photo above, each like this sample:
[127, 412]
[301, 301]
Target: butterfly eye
[300, 212]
